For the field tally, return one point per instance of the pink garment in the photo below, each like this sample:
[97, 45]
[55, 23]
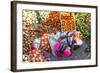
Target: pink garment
[66, 53]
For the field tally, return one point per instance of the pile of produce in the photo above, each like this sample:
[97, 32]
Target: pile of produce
[44, 42]
[67, 21]
[83, 24]
[36, 55]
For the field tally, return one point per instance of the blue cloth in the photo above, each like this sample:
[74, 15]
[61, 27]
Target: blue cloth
[68, 39]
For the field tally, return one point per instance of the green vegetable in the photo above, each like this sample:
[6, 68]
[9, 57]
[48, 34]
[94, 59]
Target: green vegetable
[83, 24]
